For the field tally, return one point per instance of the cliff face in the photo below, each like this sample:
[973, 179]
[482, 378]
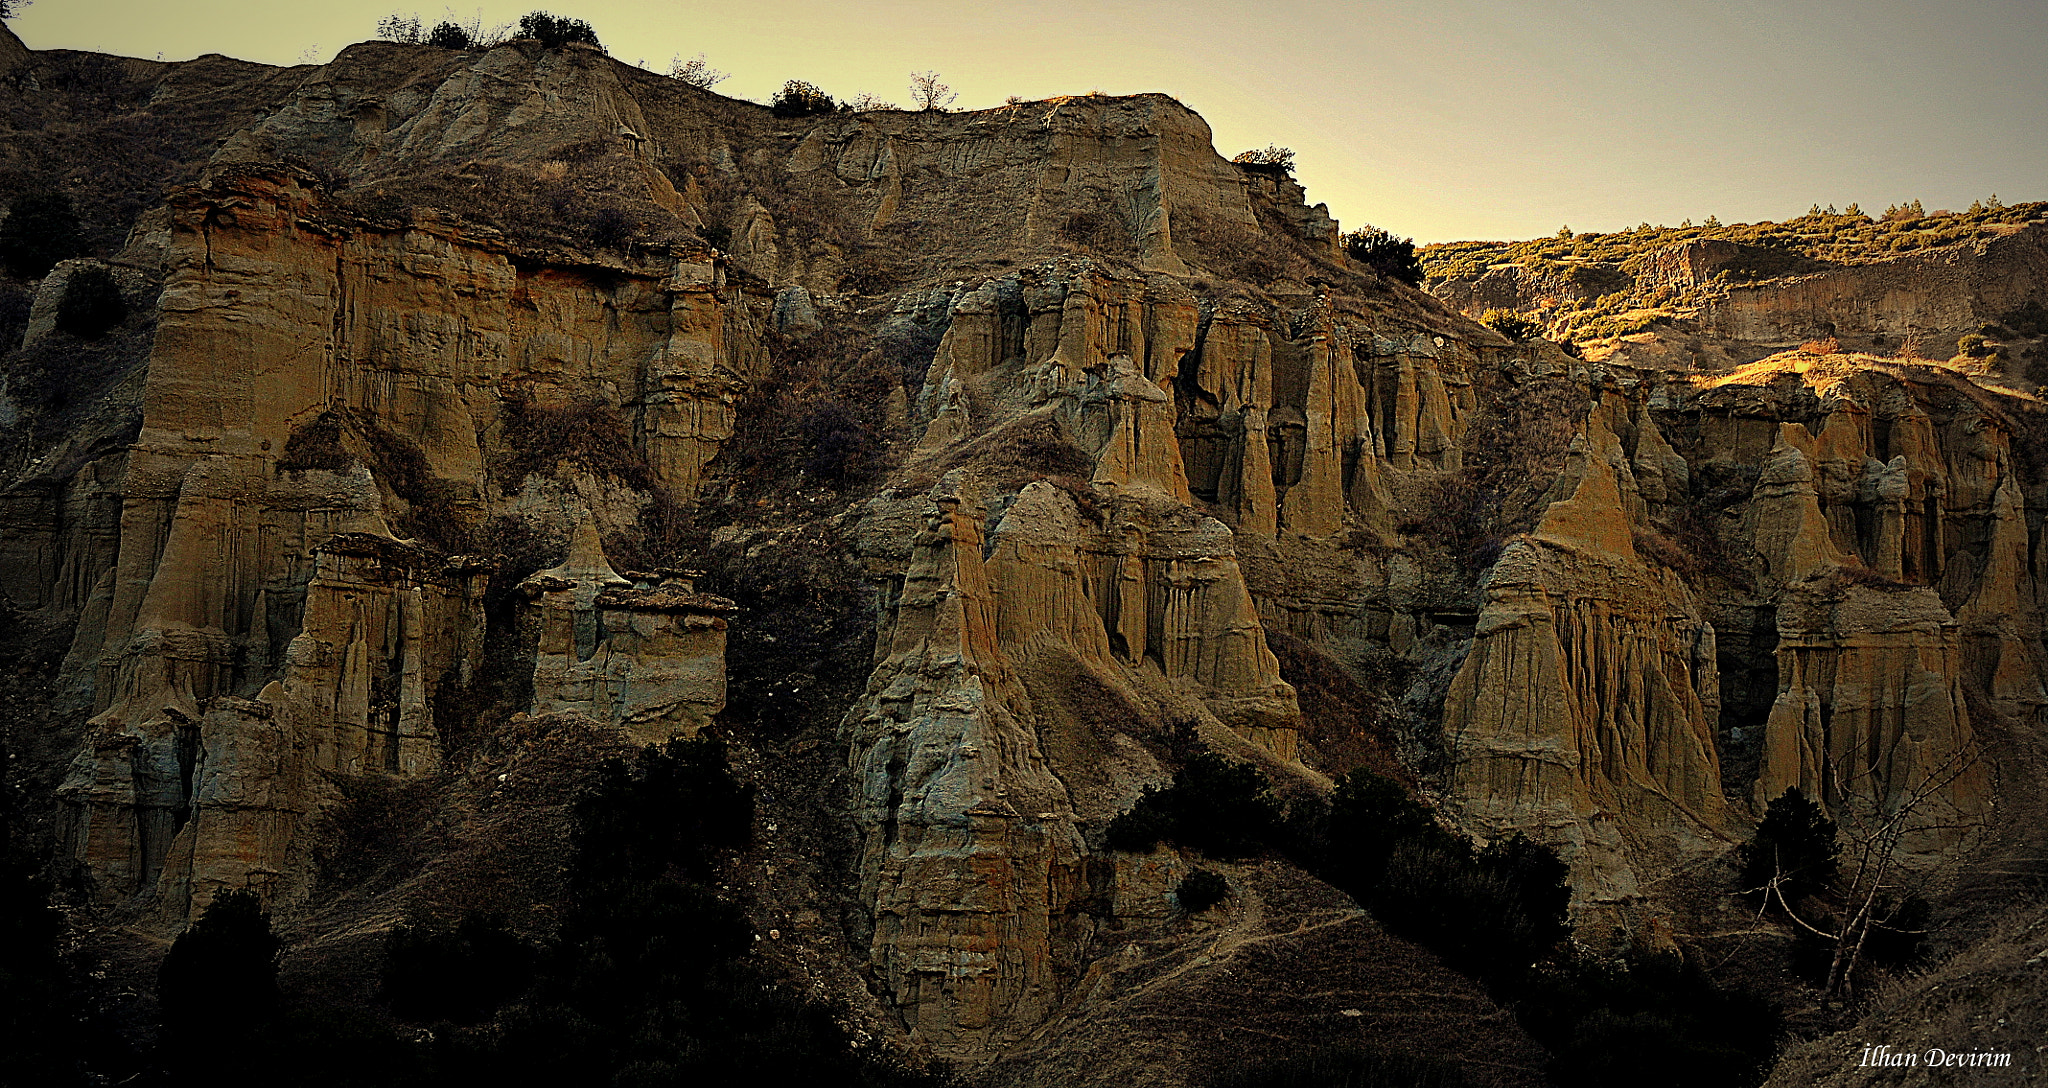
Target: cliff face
[445, 343]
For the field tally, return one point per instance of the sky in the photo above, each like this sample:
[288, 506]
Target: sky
[1439, 119]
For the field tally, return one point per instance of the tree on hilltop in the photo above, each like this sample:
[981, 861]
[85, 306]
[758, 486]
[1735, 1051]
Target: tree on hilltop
[800, 99]
[927, 93]
[1384, 253]
[697, 72]
[11, 8]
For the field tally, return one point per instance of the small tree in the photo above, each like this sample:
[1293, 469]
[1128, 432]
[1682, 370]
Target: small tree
[697, 72]
[403, 29]
[555, 31]
[462, 975]
[1794, 852]
[865, 103]
[1219, 807]
[927, 93]
[1385, 253]
[40, 230]
[1269, 155]
[91, 304]
[800, 99]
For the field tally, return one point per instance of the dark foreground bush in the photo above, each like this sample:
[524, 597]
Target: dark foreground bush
[1385, 254]
[1490, 913]
[40, 230]
[1348, 1068]
[91, 304]
[462, 975]
[648, 981]
[1200, 890]
[218, 989]
[1794, 847]
[1222, 808]
[1604, 1024]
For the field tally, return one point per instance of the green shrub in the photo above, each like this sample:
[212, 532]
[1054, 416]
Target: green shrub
[91, 304]
[555, 31]
[1972, 346]
[1385, 253]
[1200, 890]
[1512, 325]
[1795, 846]
[451, 36]
[800, 99]
[1221, 808]
[40, 230]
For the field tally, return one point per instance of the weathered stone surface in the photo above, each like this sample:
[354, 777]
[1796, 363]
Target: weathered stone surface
[1121, 469]
[239, 567]
[1870, 715]
[970, 856]
[647, 656]
[1584, 714]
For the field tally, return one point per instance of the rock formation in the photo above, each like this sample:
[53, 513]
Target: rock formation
[1080, 416]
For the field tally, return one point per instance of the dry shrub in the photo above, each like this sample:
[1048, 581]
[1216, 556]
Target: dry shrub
[815, 420]
[1694, 555]
[1253, 256]
[593, 434]
[1036, 449]
[811, 210]
[1095, 231]
[1829, 346]
[1854, 573]
[872, 270]
[1513, 452]
[1345, 720]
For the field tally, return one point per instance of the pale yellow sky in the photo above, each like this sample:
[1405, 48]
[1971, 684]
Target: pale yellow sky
[1443, 119]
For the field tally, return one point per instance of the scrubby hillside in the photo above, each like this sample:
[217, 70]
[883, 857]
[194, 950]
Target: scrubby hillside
[1906, 283]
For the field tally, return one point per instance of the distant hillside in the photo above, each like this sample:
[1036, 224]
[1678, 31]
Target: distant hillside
[1586, 287]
